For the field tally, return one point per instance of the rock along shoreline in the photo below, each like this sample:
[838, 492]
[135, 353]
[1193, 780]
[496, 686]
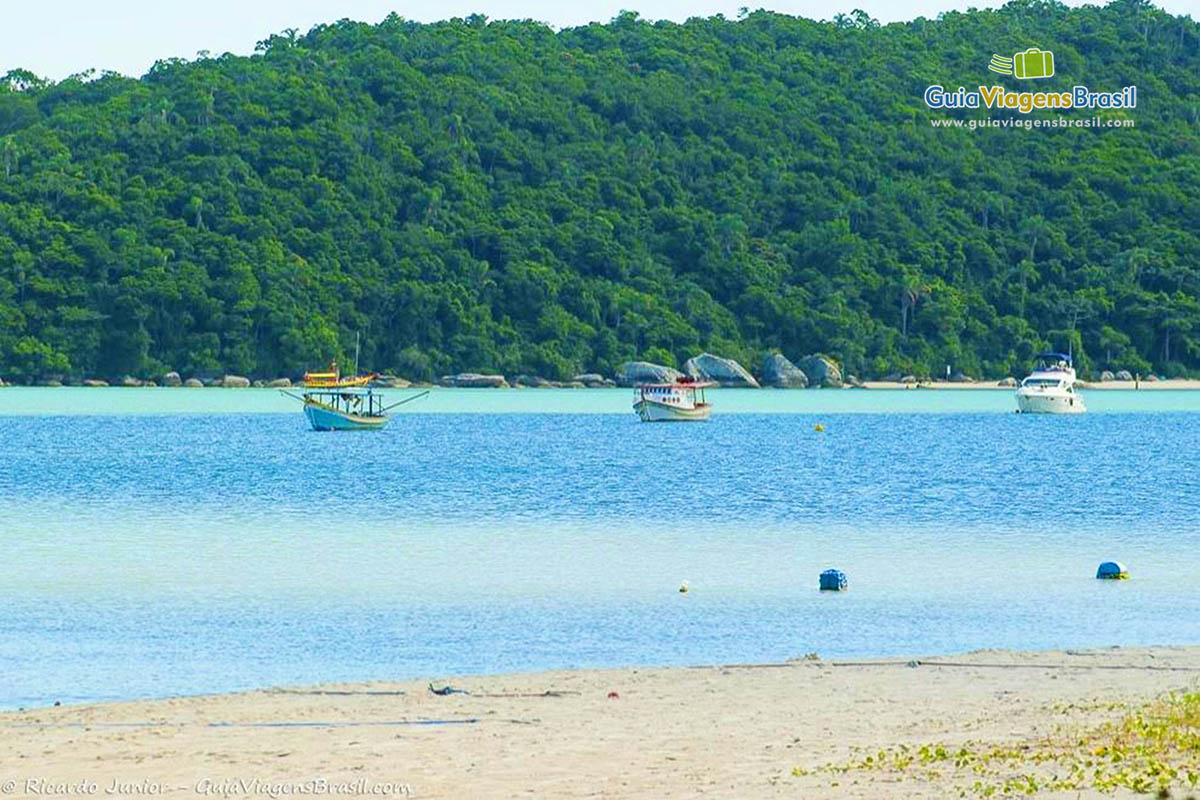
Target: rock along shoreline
[815, 371]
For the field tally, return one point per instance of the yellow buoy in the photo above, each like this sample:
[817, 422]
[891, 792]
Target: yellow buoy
[819, 428]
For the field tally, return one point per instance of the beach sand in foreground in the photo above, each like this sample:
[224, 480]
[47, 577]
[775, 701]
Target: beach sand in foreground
[736, 731]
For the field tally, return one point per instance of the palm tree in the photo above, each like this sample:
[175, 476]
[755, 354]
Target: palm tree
[857, 209]
[456, 128]
[196, 206]
[731, 229]
[1033, 230]
[910, 294]
[1112, 339]
[1027, 273]
[986, 203]
[1134, 260]
[1177, 315]
[10, 155]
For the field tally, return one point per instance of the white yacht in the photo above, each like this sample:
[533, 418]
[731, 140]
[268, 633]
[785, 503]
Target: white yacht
[1050, 388]
[681, 401]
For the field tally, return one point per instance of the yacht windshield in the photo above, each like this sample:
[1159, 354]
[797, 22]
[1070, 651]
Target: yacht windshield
[1042, 383]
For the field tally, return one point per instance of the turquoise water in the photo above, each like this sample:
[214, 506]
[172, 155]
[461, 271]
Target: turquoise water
[42, 401]
[161, 542]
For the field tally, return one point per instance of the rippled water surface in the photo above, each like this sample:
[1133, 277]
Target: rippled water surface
[174, 548]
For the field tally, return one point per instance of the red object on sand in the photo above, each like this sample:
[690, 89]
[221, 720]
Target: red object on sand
[614, 696]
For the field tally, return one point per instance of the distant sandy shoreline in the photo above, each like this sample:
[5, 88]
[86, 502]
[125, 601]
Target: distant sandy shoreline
[746, 731]
[1178, 383]
[1175, 383]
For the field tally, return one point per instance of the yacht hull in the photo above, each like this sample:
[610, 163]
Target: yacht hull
[1048, 403]
[660, 412]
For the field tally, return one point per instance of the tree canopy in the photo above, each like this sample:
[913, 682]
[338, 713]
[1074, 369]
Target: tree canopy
[498, 196]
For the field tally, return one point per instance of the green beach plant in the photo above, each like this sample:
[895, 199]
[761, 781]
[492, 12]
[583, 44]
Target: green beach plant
[1154, 748]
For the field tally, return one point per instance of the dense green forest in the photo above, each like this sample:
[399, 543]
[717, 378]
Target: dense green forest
[502, 197]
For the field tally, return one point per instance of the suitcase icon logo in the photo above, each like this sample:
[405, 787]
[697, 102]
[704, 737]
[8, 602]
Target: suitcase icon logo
[1033, 63]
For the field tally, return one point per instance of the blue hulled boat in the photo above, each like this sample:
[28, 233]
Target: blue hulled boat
[334, 403]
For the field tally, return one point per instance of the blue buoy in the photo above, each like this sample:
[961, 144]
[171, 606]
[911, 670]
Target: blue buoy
[833, 580]
[1112, 571]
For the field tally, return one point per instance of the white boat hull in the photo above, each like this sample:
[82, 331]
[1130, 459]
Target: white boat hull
[1049, 403]
[650, 411]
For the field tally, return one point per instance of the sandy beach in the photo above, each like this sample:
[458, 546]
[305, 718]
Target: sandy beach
[1175, 383]
[799, 729]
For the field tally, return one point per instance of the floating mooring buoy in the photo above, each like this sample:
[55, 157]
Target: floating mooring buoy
[1112, 571]
[833, 580]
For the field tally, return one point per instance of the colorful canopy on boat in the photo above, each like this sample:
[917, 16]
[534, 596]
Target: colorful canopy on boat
[331, 380]
[680, 383]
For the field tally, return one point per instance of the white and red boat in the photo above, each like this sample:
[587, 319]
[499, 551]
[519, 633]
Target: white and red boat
[681, 401]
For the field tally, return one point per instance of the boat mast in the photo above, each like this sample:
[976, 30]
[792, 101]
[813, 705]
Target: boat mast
[356, 335]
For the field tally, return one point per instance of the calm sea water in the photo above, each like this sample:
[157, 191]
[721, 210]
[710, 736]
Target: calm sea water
[162, 542]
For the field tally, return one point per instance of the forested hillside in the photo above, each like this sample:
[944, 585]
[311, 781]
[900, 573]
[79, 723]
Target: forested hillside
[501, 197]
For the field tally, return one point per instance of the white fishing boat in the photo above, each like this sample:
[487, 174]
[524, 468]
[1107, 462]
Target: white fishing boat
[1050, 388]
[681, 401]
